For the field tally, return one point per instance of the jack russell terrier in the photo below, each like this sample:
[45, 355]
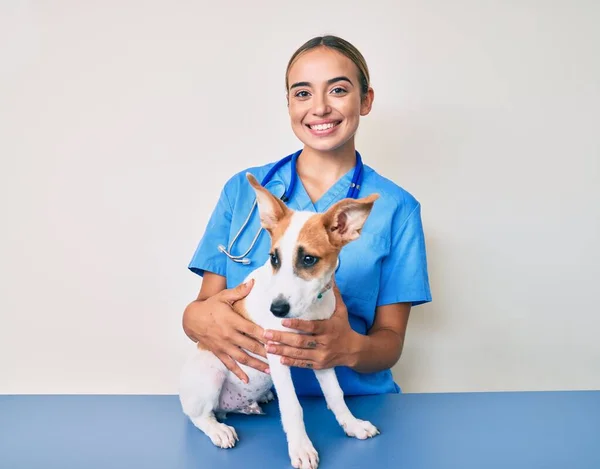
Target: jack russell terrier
[295, 282]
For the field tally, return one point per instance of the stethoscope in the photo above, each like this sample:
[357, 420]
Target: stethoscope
[353, 191]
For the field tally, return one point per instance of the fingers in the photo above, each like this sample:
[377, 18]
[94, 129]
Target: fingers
[233, 322]
[291, 338]
[237, 321]
[251, 345]
[245, 326]
[234, 356]
[233, 294]
[243, 358]
[232, 366]
[250, 329]
[286, 351]
[312, 327]
[301, 363]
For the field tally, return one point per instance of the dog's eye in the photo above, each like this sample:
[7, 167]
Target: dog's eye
[274, 259]
[309, 261]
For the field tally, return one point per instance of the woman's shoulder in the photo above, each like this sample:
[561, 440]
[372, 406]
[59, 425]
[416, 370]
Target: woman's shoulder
[392, 195]
[238, 181]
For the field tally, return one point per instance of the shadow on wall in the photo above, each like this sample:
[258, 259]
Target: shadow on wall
[425, 324]
[398, 146]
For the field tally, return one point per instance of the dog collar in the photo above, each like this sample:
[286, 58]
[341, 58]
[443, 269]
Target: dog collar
[327, 287]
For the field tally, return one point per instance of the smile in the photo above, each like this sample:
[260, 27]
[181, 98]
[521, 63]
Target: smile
[323, 129]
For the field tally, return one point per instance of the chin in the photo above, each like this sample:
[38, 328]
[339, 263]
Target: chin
[324, 144]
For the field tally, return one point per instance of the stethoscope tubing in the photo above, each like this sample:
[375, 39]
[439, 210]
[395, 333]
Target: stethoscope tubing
[353, 192]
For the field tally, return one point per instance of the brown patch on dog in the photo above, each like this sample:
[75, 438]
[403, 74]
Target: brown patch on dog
[278, 231]
[272, 211]
[280, 228]
[314, 241]
[340, 228]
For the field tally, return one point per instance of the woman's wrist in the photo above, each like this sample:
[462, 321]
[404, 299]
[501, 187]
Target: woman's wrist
[357, 344]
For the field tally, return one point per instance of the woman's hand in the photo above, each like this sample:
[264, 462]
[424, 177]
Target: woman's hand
[218, 328]
[326, 344]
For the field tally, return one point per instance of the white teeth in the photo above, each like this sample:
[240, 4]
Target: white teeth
[322, 126]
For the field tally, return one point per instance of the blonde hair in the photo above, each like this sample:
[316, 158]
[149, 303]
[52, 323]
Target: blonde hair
[340, 45]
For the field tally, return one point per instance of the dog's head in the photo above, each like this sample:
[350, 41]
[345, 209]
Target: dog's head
[305, 247]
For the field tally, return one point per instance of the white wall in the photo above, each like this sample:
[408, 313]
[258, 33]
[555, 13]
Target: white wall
[110, 111]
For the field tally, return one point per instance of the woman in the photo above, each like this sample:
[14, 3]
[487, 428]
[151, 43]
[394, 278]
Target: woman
[380, 276]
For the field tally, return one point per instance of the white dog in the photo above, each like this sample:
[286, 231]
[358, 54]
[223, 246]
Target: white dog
[295, 282]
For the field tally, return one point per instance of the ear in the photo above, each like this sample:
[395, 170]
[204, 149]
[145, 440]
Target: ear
[271, 209]
[344, 220]
[367, 102]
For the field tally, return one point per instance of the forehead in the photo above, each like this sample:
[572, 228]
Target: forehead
[313, 237]
[302, 229]
[321, 64]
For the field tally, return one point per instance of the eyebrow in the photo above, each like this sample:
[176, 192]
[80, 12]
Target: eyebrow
[329, 82]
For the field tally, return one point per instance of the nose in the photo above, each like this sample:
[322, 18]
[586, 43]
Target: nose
[280, 307]
[321, 106]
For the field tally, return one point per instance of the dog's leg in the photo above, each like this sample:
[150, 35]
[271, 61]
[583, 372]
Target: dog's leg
[301, 450]
[202, 379]
[334, 396]
[266, 397]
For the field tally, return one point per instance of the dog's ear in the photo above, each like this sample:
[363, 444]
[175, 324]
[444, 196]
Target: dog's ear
[271, 209]
[344, 220]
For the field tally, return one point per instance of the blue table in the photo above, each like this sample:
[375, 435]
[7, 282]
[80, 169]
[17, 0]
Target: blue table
[418, 431]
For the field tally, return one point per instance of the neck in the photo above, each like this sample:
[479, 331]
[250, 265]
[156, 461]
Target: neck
[325, 289]
[320, 170]
[326, 165]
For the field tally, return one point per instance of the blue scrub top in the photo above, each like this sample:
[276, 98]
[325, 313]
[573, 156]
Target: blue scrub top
[387, 264]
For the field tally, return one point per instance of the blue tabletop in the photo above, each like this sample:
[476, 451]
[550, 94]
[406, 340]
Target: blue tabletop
[418, 431]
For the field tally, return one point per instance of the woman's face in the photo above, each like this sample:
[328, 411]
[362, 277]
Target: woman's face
[324, 99]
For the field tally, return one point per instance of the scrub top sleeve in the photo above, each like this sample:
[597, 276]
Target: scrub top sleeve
[404, 274]
[207, 257]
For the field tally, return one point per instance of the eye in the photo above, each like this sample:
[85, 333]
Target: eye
[338, 90]
[274, 259]
[309, 261]
[302, 94]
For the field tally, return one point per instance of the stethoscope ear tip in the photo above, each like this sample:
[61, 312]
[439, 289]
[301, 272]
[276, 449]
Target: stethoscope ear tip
[244, 260]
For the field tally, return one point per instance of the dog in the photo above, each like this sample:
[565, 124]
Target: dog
[294, 282]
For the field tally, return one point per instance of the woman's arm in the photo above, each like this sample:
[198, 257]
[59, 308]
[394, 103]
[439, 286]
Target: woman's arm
[211, 285]
[381, 348]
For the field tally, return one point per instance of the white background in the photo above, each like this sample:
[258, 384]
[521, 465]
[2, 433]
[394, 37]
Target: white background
[111, 112]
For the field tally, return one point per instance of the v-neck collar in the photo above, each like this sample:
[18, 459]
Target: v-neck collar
[333, 194]
[300, 199]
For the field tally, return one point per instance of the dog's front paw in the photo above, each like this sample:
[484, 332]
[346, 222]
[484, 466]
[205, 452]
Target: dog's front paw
[222, 435]
[360, 429]
[303, 455]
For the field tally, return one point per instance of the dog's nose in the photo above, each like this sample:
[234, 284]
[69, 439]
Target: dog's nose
[280, 307]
